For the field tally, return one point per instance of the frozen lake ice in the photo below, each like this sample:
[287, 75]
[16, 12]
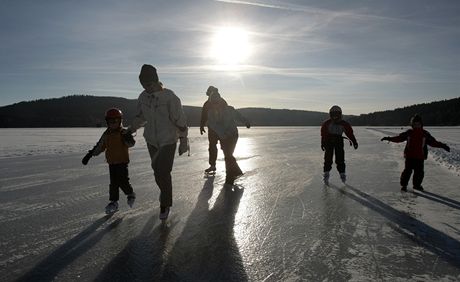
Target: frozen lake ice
[279, 223]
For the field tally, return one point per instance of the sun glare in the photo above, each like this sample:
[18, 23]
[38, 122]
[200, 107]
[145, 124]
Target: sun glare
[230, 46]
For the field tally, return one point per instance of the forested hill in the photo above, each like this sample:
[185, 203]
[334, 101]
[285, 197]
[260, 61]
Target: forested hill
[440, 113]
[88, 111]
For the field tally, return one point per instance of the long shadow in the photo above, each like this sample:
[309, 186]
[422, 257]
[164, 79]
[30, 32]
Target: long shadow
[143, 258]
[434, 240]
[455, 206]
[442, 198]
[206, 249]
[48, 268]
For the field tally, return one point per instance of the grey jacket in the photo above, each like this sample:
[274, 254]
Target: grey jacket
[223, 121]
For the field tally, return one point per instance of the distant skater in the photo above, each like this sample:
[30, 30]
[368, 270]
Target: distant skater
[160, 111]
[332, 142]
[221, 120]
[115, 142]
[212, 135]
[415, 152]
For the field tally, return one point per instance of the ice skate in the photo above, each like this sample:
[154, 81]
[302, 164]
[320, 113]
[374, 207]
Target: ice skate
[112, 207]
[210, 170]
[237, 176]
[130, 199]
[418, 188]
[164, 213]
[343, 177]
[326, 178]
[403, 188]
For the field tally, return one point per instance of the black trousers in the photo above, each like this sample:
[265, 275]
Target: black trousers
[232, 169]
[119, 179]
[162, 163]
[335, 145]
[213, 139]
[415, 165]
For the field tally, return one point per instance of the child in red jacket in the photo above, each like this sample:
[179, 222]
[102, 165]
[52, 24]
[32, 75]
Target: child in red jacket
[332, 140]
[415, 152]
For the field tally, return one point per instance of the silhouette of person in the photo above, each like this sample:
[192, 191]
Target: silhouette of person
[160, 111]
[415, 152]
[221, 120]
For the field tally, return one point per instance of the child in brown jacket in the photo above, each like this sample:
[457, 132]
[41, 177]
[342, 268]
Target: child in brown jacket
[115, 143]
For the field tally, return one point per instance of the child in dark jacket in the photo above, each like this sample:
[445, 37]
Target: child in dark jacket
[115, 142]
[332, 140]
[415, 152]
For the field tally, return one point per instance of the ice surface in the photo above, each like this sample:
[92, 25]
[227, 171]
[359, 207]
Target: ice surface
[279, 223]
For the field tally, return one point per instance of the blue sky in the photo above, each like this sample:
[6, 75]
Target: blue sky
[362, 55]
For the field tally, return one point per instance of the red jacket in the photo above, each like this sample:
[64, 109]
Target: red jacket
[330, 129]
[417, 141]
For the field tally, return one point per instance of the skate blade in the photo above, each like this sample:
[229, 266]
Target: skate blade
[110, 212]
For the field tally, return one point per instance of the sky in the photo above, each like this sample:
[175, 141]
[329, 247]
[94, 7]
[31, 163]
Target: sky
[364, 55]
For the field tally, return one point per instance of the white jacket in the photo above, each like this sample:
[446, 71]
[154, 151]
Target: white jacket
[162, 116]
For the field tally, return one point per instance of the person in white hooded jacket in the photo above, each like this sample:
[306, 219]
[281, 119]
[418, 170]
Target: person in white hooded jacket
[160, 111]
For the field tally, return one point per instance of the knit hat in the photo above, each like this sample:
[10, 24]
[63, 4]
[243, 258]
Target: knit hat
[148, 74]
[211, 89]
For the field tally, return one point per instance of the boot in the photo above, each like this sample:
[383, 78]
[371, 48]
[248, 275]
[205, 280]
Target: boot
[326, 177]
[343, 177]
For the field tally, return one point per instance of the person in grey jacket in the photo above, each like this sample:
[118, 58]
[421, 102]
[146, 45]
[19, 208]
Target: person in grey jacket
[213, 138]
[222, 118]
[160, 111]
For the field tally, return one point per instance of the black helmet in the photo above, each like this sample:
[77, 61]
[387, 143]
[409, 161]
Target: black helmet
[335, 112]
[416, 118]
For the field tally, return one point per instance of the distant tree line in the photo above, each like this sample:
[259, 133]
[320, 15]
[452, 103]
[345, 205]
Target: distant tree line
[440, 113]
[88, 111]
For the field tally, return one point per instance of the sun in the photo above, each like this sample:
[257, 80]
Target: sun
[230, 46]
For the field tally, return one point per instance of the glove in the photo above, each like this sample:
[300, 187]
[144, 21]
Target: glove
[385, 139]
[86, 158]
[445, 147]
[128, 138]
[355, 145]
[183, 145]
[202, 130]
[248, 125]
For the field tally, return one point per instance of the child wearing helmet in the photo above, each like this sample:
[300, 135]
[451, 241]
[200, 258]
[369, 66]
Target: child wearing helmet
[332, 142]
[115, 142]
[415, 152]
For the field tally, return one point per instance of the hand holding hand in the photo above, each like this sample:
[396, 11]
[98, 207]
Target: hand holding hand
[128, 138]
